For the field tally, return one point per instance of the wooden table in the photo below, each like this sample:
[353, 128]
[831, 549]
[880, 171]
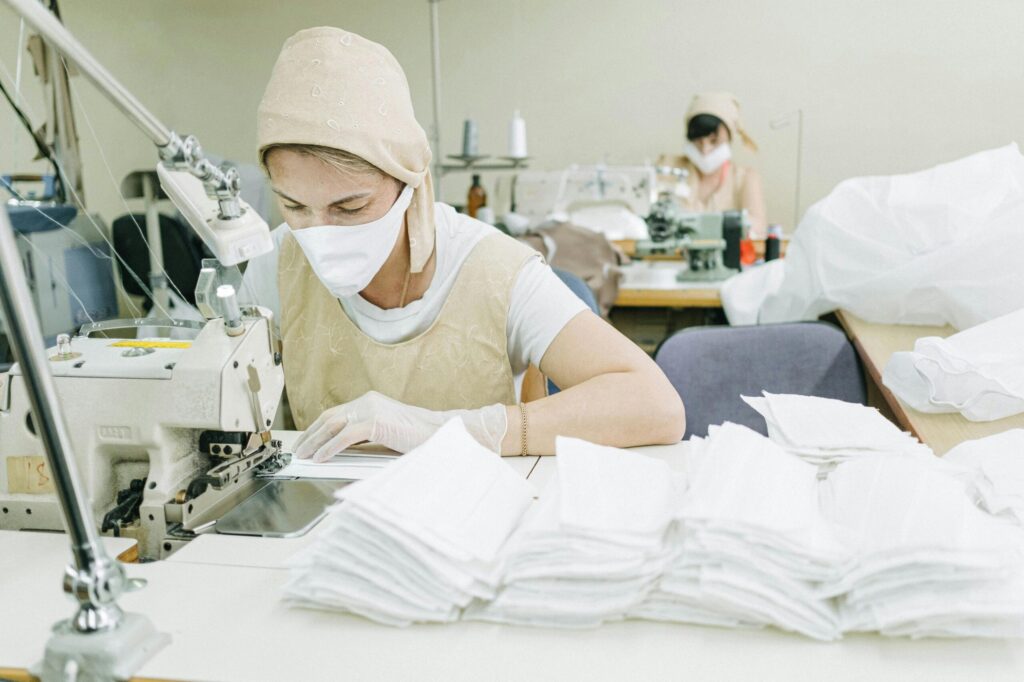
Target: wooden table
[668, 298]
[628, 247]
[875, 343]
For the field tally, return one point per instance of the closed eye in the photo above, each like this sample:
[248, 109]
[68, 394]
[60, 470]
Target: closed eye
[349, 211]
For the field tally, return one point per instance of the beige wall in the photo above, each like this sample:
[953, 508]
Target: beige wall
[886, 86]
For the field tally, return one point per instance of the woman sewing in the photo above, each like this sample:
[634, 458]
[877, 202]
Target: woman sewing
[397, 313]
[715, 181]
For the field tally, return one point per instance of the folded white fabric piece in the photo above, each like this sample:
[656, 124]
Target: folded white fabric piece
[348, 466]
[593, 546]
[419, 540]
[825, 431]
[978, 372]
[994, 470]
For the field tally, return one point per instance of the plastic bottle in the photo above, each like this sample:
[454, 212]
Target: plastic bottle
[773, 242]
[476, 198]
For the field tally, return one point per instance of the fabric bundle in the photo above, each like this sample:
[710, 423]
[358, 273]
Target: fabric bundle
[418, 541]
[747, 532]
[926, 561]
[594, 545]
[752, 543]
[825, 432]
[978, 372]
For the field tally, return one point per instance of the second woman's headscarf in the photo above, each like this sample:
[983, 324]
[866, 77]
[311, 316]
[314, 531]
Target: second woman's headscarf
[725, 106]
[333, 88]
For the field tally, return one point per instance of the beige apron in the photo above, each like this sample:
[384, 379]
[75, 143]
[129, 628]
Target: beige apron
[460, 361]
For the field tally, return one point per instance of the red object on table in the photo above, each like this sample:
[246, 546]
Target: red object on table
[747, 254]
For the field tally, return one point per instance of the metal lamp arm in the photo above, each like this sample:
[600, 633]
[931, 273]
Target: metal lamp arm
[180, 154]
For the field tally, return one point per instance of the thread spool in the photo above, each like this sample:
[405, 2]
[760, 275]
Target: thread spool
[470, 138]
[517, 137]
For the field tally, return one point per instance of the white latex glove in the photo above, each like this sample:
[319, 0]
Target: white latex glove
[376, 418]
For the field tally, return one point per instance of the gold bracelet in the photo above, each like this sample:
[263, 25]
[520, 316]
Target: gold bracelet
[522, 413]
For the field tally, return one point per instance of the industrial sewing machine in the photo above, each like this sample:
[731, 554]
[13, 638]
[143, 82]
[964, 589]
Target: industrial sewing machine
[170, 434]
[710, 241]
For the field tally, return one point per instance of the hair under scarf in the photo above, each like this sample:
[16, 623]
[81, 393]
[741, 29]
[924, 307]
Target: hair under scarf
[725, 106]
[333, 88]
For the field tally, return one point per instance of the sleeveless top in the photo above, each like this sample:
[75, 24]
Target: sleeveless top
[460, 361]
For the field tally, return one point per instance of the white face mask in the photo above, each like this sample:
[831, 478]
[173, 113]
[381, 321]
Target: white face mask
[710, 162]
[347, 257]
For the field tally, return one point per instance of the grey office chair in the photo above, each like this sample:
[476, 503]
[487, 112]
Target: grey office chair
[580, 288]
[712, 367]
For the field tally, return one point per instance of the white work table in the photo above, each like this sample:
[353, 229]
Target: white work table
[219, 599]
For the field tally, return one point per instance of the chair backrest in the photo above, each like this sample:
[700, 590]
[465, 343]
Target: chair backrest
[711, 367]
[182, 257]
[580, 288]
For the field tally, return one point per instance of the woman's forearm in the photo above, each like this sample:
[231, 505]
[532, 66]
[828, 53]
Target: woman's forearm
[621, 409]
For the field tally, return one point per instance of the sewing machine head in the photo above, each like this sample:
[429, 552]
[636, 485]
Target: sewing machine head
[169, 433]
[709, 239]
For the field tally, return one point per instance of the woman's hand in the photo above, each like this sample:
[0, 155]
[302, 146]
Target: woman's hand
[376, 418]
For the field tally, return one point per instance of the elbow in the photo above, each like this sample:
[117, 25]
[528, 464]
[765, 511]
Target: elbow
[666, 413]
[671, 421]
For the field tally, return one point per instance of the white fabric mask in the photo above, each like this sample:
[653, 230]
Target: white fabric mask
[710, 162]
[346, 257]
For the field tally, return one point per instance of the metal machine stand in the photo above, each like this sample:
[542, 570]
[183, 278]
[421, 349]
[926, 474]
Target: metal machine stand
[100, 642]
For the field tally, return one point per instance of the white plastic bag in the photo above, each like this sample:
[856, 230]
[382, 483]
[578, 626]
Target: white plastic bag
[934, 247]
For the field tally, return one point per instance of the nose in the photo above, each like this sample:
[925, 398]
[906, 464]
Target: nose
[705, 145]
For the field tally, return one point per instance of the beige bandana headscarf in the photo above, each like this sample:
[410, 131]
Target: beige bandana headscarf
[725, 106]
[336, 89]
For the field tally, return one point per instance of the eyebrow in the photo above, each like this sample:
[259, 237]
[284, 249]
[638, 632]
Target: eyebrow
[343, 200]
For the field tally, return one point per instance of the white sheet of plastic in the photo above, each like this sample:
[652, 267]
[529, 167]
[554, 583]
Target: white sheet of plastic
[934, 247]
[978, 372]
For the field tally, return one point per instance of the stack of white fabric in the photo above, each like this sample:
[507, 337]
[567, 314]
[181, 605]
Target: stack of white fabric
[753, 544]
[825, 432]
[418, 541]
[978, 372]
[927, 561]
[594, 545]
[993, 468]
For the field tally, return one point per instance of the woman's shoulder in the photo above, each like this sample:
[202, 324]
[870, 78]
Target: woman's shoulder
[459, 236]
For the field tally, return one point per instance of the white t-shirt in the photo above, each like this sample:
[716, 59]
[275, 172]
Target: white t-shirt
[540, 304]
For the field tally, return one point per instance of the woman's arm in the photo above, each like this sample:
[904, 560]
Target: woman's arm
[752, 199]
[613, 393]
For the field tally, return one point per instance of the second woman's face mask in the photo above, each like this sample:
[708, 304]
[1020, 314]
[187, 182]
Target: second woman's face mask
[347, 258]
[710, 162]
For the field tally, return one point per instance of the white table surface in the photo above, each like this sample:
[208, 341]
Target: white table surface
[659, 274]
[228, 623]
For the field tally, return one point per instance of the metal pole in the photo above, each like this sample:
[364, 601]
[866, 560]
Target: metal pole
[435, 62]
[61, 39]
[799, 158]
[93, 579]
